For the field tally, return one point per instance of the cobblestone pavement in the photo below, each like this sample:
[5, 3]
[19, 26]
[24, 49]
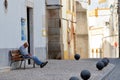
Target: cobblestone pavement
[115, 74]
[59, 70]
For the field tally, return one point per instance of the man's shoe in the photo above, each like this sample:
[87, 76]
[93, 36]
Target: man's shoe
[43, 64]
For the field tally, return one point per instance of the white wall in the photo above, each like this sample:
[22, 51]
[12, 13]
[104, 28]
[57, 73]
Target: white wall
[10, 24]
[39, 23]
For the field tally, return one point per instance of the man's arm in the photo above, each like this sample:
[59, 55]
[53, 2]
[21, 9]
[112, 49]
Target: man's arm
[23, 51]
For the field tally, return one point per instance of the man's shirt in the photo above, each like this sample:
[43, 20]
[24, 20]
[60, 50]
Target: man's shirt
[23, 50]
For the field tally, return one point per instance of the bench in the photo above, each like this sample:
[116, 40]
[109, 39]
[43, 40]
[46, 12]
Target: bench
[15, 56]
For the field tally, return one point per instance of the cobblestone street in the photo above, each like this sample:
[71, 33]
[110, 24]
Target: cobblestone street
[59, 70]
[115, 74]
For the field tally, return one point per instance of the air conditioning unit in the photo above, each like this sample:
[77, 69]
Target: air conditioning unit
[53, 4]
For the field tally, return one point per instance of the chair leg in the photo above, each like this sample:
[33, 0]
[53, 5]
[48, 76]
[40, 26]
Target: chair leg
[33, 64]
[11, 63]
[20, 64]
[24, 63]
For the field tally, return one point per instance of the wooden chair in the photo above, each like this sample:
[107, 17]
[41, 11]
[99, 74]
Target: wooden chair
[15, 56]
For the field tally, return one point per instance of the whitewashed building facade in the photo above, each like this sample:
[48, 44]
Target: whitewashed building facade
[21, 21]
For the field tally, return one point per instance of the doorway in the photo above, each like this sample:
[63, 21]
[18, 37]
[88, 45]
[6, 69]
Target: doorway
[30, 31]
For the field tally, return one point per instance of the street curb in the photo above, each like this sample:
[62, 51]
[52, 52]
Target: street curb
[106, 74]
[5, 69]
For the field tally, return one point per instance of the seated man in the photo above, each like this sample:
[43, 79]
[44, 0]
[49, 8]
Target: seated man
[25, 53]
